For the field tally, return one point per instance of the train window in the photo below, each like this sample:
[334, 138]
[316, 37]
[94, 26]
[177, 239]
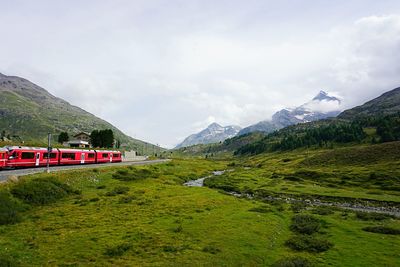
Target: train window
[52, 155]
[91, 156]
[27, 155]
[105, 155]
[115, 155]
[68, 156]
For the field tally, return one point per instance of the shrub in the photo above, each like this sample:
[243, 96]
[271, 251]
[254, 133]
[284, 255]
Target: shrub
[126, 199]
[9, 209]
[372, 216]
[6, 261]
[298, 207]
[292, 262]
[118, 250]
[261, 209]
[323, 210]
[211, 249]
[305, 224]
[119, 190]
[41, 191]
[293, 178]
[382, 230]
[308, 243]
[136, 174]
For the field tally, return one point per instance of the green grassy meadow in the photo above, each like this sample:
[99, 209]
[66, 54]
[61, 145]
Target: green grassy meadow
[144, 216]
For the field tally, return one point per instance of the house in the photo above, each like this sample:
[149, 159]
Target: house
[82, 136]
[77, 143]
[81, 140]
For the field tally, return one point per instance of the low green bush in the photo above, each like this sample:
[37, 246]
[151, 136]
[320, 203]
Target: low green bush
[261, 209]
[308, 243]
[372, 216]
[305, 224]
[134, 174]
[117, 250]
[9, 209]
[382, 230]
[41, 191]
[6, 261]
[297, 207]
[118, 190]
[323, 210]
[211, 249]
[126, 199]
[292, 262]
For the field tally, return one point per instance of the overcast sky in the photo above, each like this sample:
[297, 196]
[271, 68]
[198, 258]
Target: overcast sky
[161, 70]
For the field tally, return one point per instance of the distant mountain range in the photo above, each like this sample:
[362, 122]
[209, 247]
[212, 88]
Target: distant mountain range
[388, 104]
[320, 107]
[30, 112]
[214, 133]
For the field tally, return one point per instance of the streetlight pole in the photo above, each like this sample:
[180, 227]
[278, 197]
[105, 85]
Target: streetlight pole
[48, 151]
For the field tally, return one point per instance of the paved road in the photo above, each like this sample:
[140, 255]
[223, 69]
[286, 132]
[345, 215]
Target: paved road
[4, 174]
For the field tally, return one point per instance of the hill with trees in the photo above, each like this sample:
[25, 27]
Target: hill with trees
[28, 112]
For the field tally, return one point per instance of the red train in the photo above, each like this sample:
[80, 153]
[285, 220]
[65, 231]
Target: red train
[16, 156]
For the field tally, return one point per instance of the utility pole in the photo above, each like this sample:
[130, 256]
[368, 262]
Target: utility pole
[48, 151]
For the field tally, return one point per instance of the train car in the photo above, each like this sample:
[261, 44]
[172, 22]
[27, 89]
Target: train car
[104, 156]
[76, 156]
[17, 156]
[30, 157]
[3, 157]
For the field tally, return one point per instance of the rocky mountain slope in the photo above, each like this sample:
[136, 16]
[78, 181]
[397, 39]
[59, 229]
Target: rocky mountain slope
[320, 107]
[30, 112]
[386, 104]
[214, 133]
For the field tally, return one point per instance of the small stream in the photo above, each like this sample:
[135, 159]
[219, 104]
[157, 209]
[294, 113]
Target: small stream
[313, 202]
[200, 182]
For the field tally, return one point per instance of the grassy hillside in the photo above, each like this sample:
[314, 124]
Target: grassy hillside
[144, 216]
[30, 112]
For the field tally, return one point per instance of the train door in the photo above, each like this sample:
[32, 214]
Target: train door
[111, 155]
[82, 158]
[37, 159]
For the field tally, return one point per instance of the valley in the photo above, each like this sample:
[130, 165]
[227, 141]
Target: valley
[144, 215]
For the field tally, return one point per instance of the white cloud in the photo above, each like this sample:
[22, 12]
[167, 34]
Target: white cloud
[161, 70]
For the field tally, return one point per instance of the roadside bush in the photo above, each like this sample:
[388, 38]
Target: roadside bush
[382, 230]
[119, 190]
[292, 262]
[308, 243]
[323, 210]
[9, 209]
[372, 216]
[118, 250]
[41, 191]
[305, 224]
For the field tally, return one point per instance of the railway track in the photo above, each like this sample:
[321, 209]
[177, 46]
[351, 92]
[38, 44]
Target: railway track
[5, 174]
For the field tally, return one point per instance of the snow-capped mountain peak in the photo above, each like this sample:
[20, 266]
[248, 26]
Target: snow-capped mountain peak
[214, 133]
[322, 106]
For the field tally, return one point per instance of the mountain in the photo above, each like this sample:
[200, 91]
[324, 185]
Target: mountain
[320, 107]
[30, 112]
[214, 133]
[386, 104]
